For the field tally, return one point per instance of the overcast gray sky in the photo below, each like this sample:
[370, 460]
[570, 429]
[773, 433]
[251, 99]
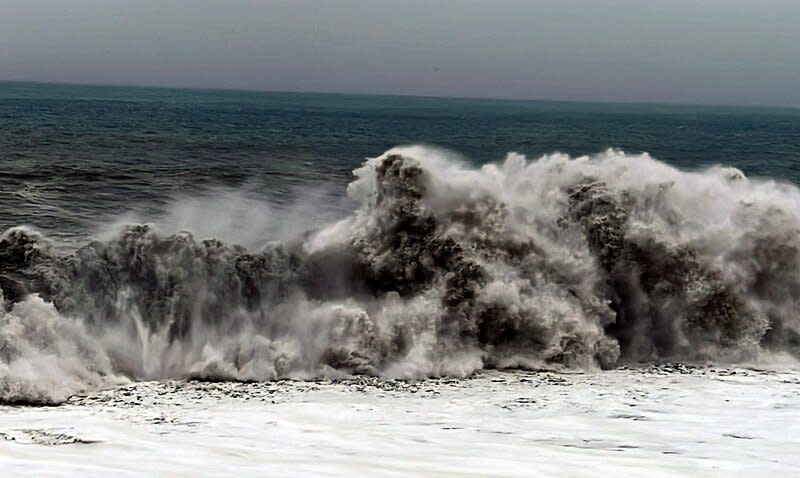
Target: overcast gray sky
[693, 51]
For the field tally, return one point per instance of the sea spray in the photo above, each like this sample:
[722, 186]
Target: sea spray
[440, 269]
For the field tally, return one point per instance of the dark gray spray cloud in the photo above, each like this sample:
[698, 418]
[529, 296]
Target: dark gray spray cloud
[713, 51]
[440, 269]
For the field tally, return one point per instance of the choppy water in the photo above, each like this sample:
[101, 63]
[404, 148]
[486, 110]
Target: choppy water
[73, 156]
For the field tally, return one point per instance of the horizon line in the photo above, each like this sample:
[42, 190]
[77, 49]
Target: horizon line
[408, 95]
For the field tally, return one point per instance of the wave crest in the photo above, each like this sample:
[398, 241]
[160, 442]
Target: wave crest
[441, 269]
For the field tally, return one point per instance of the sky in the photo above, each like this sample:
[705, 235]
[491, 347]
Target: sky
[680, 51]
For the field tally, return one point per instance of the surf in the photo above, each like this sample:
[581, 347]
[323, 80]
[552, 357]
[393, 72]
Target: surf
[440, 269]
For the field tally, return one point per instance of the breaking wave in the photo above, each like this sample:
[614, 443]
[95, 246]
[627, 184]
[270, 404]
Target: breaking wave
[440, 269]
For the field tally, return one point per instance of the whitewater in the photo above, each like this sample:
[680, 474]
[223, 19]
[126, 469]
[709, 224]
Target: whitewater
[546, 315]
[441, 269]
[658, 421]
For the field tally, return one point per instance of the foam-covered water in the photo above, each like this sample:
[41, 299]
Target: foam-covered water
[438, 268]
[670, 421]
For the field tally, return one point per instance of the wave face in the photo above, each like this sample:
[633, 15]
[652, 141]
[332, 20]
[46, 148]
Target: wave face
[441, 269]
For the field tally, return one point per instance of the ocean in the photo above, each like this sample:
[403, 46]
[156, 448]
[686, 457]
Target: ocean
[254, 236]
[222, 283]
[75, 156]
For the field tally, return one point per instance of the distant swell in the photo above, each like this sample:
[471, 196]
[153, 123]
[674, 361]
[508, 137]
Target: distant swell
[441, 269]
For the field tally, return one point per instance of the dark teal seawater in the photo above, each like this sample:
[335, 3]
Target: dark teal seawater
[73, 154]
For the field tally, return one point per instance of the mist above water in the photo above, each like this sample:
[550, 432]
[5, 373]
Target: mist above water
[439, 269]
